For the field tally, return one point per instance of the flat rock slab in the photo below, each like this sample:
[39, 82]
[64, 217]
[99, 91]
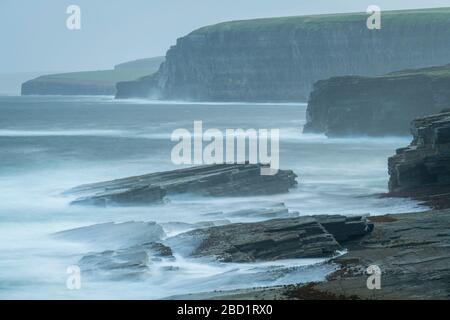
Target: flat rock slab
[292, 238]
[209, 180]
[114, 235]
[125, 264]
[345, 228]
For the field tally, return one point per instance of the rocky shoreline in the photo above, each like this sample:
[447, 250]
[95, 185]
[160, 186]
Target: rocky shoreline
[422, 170]
[131, 249]
[411, 250]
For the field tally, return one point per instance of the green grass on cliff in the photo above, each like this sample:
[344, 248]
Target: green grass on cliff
[439, 71]
[322, 21]
[122, 72]
[435, 72]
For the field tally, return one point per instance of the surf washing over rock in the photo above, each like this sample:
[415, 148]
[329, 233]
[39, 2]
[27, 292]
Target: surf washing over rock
[90, 188]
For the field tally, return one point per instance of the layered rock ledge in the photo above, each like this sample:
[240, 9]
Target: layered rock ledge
[422, 170]
[209, 180]
[291, 238]
[410, 249]
[132, 249]
[377, 106]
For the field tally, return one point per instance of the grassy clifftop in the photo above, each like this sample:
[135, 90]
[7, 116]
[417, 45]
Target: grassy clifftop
[320, 21]
[123, 72]
[439, 71]
[101, 82]
[279, 59]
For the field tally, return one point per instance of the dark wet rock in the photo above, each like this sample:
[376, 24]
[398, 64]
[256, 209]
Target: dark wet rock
[272, 211]
[377, 106]
[411, 250]
[302, 237]
[125, 197]
[176, 227]
[345, 228]
[209, 180]
[127, 263]
[422, 170]
[114, 235]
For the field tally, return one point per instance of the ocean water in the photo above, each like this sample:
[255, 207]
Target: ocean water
[50, 144]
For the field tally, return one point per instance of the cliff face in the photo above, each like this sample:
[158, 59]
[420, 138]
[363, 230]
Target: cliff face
[47, 86]
[422, 170]
[279, 59]
[102, 82]
[383, 105]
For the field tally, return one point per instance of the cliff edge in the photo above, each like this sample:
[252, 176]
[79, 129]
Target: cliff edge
[279, 59]
[101, 82]
[422, 170]
[377, 106]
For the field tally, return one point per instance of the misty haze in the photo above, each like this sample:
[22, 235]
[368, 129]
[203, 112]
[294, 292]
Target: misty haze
[224, 150]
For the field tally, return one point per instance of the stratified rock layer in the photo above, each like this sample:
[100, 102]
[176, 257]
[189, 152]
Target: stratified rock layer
[291, 238]
[126, 263]
[209, 180]
[279, 59]
[377, 106]
[422, 170]
[411, 251]
[113, 236]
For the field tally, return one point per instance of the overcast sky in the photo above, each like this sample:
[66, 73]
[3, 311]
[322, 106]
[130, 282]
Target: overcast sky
[34, 36]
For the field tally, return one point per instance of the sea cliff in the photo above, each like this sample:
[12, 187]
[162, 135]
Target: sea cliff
[101, 82]
[279, 59]
[377, 106]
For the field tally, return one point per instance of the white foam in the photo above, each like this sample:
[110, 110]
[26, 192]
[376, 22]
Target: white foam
[59, 133]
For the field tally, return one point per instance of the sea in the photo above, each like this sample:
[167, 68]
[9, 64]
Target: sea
[49, 144]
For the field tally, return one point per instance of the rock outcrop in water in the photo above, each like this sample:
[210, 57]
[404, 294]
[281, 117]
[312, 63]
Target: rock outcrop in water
[102, 82]
[291, 238]
[377, 106]
[422, 170]
[134, 249]
[210, 180]
[279, 59]
[113, 236]
[126, 263]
